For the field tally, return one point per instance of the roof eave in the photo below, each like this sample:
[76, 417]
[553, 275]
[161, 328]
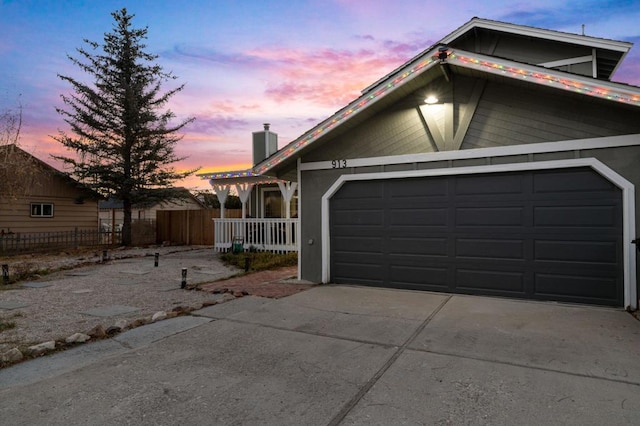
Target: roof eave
[596, 42]
[535, 74]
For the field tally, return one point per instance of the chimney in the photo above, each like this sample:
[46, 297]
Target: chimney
[265, 143]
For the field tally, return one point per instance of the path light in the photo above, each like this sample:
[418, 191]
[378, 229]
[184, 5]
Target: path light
[184, 278]
[104, 255]
[5, 273]
[156, 258]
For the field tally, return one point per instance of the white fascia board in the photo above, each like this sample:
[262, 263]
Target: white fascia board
[600, 43]
[628, 202]
[601, 89]
[568, 61]
[466, 154]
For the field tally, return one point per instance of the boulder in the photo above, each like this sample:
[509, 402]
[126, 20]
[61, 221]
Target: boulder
[42, 347]
[77, 338]
[159, 316]
[12, 355]
[97, 332]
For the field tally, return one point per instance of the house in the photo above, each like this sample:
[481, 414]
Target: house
[36, 198]
[500, 161]
[111, 210]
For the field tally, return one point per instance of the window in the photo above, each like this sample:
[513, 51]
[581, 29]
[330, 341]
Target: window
[41, 210]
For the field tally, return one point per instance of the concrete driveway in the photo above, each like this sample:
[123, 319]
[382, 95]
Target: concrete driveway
[345, 355]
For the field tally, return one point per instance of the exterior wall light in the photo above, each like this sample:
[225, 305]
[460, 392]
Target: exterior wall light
[431, 99]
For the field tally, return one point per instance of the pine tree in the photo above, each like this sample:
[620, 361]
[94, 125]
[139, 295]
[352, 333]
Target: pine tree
[123, 139]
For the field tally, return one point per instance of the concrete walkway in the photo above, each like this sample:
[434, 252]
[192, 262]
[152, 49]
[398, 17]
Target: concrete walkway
[345, 355]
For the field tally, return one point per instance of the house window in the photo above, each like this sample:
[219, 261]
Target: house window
[41, 209]
[274, 206]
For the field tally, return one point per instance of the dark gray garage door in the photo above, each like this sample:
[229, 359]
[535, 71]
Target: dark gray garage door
[549, 235]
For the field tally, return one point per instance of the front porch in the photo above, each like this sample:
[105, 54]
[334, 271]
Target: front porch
[274, 234]
[268, 205]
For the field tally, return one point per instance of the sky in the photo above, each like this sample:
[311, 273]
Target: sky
[290, 63]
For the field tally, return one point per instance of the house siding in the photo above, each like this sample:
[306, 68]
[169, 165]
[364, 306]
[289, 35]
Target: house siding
[513, 114]
[74, 206]
[67, 215]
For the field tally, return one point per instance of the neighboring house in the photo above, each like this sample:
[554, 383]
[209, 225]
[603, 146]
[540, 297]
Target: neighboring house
[111, 210]
[35, 197]
[517, 177]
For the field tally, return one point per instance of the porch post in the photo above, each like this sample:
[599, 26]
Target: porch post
[222, 191]
[244, 191]
[288, 189]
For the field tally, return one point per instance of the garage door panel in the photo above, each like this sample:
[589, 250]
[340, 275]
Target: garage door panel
[358, 272]
[584, 180]
[549, 235]
[575, 216]
[490, 281]
[418, 246]
[358, 217]
[489, 216]
[490, 248]
[576, 251]
[418, 189]
[591, 289]
[490, 184]
[432, 278]
[359, 244]
[419, 217]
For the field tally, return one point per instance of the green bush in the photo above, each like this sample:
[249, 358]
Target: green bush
[260, 261]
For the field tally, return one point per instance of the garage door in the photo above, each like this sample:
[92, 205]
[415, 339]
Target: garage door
[547, 235]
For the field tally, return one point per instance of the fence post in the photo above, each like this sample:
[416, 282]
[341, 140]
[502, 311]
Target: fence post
[75, 238]
[18, 242]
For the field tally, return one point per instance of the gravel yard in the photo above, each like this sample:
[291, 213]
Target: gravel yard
[89, 292]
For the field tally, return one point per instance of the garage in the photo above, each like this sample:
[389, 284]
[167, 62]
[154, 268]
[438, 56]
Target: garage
[538, 234]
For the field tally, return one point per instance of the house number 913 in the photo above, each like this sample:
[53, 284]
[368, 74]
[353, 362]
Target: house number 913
[338, 164]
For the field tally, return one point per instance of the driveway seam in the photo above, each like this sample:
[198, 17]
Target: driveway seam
[531, 367]
[309, 332]
[344, 411]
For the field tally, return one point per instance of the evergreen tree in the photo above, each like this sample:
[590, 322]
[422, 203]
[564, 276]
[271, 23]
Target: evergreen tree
[123, 139]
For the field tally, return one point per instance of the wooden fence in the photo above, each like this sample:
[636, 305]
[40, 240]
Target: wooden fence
[193, 227]
[33, 242]
[143, 232]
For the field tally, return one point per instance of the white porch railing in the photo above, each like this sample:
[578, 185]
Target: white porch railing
[276, 235]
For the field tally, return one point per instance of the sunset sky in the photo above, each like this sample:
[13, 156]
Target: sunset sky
[290, 63]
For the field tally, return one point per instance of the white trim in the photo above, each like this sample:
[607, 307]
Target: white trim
[499, 151]
[618, 46]
[628, 201]
[568, 61]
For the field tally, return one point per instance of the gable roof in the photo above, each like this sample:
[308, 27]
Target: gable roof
[16, 150]
[610, 53]
[181, 193]
[403, 81]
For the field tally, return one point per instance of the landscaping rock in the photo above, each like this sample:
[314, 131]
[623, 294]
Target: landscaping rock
[209, 303]
[138, 322]
[77, 338]
[114, 329]
[98, 332]
[42, 347]
[123, 324]
[159, 316]
[12, 355]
